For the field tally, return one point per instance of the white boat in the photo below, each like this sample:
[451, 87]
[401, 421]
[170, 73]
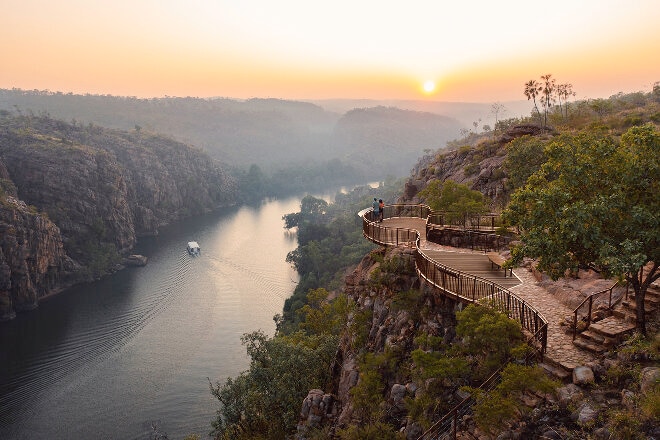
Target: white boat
[193, 248]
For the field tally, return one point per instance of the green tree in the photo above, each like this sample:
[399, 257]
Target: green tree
[601, 106]
[502, 404]
[457, 199]
[564, 91]
[524, 156]
[321, 316]
[595, 202]
[264, 401]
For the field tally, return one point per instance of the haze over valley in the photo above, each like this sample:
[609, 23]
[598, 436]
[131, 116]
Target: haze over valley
[329, 220]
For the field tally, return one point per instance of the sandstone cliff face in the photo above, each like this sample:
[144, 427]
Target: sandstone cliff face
[101, 189]
[32, 257]
[390, 326]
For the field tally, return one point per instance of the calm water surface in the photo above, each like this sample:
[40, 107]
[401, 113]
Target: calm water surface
[109, 359]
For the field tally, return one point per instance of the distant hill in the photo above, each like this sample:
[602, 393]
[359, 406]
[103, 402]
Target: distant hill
[389, 139]
[270, 133]
[466, 113]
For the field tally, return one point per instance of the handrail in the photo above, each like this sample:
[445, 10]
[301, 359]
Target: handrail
[452, 282]
[590, 300]
[460, 285]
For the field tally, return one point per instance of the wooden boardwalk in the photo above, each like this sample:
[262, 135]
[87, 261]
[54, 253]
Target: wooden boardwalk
[560, 349]
[474, 263]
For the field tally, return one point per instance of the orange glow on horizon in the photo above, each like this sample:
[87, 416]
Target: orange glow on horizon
[292, 51]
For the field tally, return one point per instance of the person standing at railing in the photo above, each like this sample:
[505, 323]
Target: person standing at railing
[381, 209]
[375, 215]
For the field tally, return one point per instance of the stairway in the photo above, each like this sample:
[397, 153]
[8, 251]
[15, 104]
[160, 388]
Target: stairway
[628, 309]
[604, 334]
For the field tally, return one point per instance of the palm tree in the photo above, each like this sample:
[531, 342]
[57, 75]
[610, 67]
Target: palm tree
[532, 90]
[548, 93]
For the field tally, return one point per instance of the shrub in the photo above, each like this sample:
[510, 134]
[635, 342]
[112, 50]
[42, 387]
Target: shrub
[375, 431]
[502, 404]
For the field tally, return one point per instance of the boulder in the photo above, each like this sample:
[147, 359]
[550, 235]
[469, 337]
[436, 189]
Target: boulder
[135, 260]
[649, 379]
[568, 394]
[628, 399]
[583, 375]
[586, 415]
[317, 410]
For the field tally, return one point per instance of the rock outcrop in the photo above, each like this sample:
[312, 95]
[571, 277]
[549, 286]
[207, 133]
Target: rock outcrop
[389, 327]
[32, 258]
[83, 194]
[480, 166]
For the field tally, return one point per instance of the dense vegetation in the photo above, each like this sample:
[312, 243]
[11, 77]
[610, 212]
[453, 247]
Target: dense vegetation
[607, 191]
[256, 184]
[329, 241]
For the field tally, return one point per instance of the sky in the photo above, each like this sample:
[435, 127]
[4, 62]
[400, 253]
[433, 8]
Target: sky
[462, 50]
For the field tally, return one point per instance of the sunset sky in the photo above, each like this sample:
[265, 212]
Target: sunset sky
[478, 51]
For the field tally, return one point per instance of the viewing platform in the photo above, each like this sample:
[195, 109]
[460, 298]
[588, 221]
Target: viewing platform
[469, 276]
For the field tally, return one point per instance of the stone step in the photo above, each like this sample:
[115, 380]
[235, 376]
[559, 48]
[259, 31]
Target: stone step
[625, 315]
[556, 371]
[586, 344]
[598, 338]
[612, 327]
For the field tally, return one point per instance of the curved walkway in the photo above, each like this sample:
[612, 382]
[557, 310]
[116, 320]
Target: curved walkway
[560, 349]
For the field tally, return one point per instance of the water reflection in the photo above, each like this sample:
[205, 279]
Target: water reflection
[106, 359]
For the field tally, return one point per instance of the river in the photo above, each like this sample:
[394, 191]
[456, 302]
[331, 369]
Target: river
[113, 358]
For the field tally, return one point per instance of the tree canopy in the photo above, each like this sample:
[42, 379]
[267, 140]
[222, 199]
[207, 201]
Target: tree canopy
[455, 198]
[594, 202]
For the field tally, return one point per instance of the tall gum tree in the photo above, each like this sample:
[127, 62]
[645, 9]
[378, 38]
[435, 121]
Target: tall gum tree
[595, 202]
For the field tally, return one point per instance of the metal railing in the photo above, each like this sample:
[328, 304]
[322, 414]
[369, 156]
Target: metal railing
[475, 222]
[454, 283]
[461, 286]
[588, 304]
[471, 288]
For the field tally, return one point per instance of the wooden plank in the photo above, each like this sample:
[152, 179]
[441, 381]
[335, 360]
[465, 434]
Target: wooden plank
[474, 264]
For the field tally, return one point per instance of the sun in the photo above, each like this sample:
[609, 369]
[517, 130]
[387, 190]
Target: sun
[429, 86]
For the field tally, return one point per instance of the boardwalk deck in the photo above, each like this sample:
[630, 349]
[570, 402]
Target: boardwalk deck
[560, 350]
[473, 263]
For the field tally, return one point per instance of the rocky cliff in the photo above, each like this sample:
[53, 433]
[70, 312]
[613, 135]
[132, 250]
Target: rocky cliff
[32, 258]
[390, 314]
[377, 390]
[75, 198]
[478, 164]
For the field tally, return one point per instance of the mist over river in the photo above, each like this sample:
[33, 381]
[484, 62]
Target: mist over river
[108, 359]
